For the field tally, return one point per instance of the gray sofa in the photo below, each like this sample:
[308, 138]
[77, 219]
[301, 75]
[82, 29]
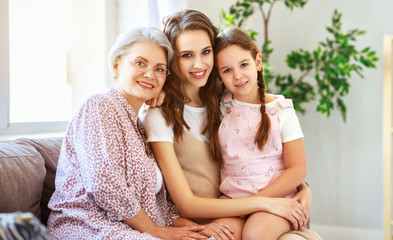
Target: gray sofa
[27, 175]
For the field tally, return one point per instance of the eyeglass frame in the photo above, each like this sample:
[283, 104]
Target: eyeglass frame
[167, 72]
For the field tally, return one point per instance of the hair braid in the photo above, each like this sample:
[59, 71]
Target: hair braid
[235, 36]
[264, 126]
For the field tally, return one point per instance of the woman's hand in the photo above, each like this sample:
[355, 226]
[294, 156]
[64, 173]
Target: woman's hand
[306, 207]
[304, 197]
[157, 101]
[288, 208]
[220, 231]
[143, 223]
[180, 233]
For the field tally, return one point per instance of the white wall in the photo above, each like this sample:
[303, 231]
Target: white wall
[4, 65]
[344, 159]
[88, 61]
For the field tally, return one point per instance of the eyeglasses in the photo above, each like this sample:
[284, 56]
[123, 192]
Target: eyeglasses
[143, 66]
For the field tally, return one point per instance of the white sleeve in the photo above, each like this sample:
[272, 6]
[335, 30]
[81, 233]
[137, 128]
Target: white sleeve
[289, 125]
[156, 128]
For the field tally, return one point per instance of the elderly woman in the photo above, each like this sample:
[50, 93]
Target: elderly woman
[108, 185]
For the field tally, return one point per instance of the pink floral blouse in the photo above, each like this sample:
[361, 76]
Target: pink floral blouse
[106, 173]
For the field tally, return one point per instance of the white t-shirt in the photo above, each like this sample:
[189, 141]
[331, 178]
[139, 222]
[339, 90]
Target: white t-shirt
[159, 180]
[289, 123]
[158, 131]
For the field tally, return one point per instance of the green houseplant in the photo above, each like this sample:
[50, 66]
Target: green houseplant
[330, 65]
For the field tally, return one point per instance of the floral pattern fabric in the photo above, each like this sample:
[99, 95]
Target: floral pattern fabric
[106, 173]
[246, 170]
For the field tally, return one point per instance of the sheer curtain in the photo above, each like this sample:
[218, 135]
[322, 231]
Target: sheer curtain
[137, 13]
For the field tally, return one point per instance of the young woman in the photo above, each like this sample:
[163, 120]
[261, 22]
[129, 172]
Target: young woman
[182, 131]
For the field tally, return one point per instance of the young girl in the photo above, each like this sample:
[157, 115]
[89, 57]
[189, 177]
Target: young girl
[260, 139]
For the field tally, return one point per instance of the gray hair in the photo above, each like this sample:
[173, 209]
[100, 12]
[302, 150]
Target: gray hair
[141, 34]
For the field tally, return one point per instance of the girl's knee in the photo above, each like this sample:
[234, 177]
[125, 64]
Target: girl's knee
[264, 226]
[256, 232]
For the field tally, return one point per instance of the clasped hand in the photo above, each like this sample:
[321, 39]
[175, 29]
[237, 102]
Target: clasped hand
[292, 210]
[220, 231]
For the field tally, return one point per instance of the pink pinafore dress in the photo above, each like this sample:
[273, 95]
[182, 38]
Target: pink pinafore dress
[246, 170]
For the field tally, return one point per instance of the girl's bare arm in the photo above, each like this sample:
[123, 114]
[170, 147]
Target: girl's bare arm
[294, 156]
[192, 206]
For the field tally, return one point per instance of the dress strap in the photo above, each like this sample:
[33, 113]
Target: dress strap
[228, 97]
[280, 104]
[285, 103]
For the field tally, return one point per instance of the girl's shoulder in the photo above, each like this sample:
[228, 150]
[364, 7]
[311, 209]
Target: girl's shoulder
[269, 98]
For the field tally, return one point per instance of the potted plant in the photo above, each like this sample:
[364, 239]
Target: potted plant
[330, 65]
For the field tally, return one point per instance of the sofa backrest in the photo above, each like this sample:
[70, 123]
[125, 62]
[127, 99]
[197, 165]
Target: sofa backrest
[27, 175]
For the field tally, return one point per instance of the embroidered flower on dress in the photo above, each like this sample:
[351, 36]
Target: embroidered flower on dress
[236, 130]
[269, 171]
[254, 188]
[271, 111]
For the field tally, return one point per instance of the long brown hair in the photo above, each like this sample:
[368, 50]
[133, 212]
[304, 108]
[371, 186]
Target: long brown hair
[235, 36]
[173, 106]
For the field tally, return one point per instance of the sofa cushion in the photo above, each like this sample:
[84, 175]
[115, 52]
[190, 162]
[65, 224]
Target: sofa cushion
[50, 151]
[22, 173]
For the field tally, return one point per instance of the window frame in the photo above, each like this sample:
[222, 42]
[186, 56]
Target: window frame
[8, 130]
[4, 65]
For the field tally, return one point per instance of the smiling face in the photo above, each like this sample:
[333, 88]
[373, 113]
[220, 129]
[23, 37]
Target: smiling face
[135, 85]
[195, 57]
[239, 72]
